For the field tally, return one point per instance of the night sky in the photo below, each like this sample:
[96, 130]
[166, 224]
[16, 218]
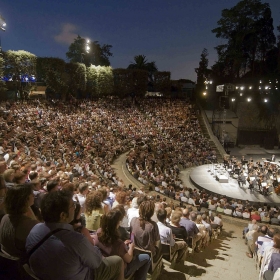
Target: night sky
[172, 33]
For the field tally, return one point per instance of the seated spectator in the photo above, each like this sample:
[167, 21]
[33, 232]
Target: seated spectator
[83, 191]
[213, 205]
[9, 175]
[77, 222]
[228, 210]
[251, 238]
[166, 236]
[184, 199]
[68, 254]
[168, 214]
[256, 216]
[133, 211]
[213, 224]
[205, 238]
[268, 253]
[19, 220]
[249, 227]
[206, 222]
[146, 233]
[158, 206]
[123, 233]
[274, 263]
[265, 218]
[265, 238]
[52, 186]
[178, 230]
[220, 208]
[191, 201]
[93, 210]
[246, 214]
[108, 241]
[237, 212]
[204, 203]
[19, 178]
[3, 191]
[274, 220]
[191, 228]
[218, 220]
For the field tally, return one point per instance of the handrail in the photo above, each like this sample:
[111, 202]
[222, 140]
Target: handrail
[211, 134]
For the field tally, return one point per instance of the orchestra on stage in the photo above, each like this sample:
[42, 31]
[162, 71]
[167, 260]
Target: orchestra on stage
[262, 175]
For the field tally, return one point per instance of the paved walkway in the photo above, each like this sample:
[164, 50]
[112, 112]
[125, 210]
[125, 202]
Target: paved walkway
[224, 258]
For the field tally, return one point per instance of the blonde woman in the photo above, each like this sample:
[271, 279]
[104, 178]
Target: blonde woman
[204, 233]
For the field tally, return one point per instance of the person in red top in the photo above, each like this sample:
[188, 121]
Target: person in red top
[256, 216]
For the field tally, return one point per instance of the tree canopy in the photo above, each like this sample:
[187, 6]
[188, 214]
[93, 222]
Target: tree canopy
[18, 63]
[247, 29]
[96, 55]
[141, 63]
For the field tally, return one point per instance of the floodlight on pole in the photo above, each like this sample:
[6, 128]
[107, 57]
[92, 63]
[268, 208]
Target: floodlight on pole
[87, 45]
[2, 27]
[2, 23]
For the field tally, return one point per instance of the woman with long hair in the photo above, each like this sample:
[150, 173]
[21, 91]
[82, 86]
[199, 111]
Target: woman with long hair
[94, 210]
[107, 239]
[19, 220]
[146, 233]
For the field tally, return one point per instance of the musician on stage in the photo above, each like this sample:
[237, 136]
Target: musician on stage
[241, 179]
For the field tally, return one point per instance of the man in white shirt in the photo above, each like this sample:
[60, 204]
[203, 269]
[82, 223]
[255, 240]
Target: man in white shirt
[83, 191]
[133, 211]
[218, 220]
[166, 236]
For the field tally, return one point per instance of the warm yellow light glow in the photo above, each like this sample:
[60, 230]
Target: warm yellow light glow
[249, 99]
[204, 93]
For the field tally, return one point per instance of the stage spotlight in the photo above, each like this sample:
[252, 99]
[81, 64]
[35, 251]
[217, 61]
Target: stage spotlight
[265, 100]
[249, 99]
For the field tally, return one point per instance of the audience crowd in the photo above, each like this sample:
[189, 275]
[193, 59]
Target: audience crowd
[59, 193]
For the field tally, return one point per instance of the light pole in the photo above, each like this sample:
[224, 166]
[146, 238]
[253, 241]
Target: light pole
[2, 27]
[87, 48]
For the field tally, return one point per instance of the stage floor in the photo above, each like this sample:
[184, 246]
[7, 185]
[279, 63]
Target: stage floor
[202, 178]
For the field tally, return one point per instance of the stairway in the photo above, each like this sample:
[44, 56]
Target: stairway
[206, 135]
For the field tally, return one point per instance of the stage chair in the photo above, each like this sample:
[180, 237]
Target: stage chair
[28, 270]
[167, 254]
[156, 267]
[11, 267]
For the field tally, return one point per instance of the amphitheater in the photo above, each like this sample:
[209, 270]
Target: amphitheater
[225, 257]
